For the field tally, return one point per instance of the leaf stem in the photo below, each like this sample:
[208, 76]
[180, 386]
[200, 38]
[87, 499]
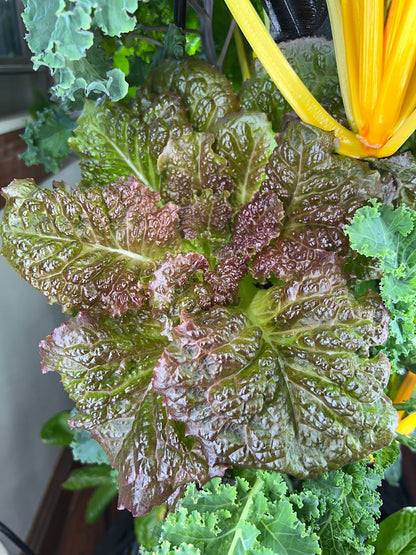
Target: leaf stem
[226, 44]
[286, 79]
[407, 425]
[241, 53]
[244, 514]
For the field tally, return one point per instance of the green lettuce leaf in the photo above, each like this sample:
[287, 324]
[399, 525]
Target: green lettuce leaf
[390, 236]
[106, 366]
[205, 92]
[252, 516]
[289, 386]
[246, 140]
[313, 59]
[89, 247]
[114, 140]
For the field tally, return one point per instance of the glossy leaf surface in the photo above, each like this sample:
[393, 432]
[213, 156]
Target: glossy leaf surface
[205, 92]
[114, 140]
[292, 387]
[313, 59]
[320, 192]
[106, 366]
[89, 247]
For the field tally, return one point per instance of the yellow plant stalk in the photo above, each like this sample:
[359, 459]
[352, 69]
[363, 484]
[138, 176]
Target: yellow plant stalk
[376, 66]
[405, 391]
[407, 425]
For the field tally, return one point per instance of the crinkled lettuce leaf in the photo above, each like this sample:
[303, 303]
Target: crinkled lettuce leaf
[106, 366]
[90, 247]
[114, 140]
[320, 192]
[289, 385]
[401, 169]
[205, 92]
[246, 140]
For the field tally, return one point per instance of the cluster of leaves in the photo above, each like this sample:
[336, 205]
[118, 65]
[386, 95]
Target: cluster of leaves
[265, 512]
[217, 327]
[80, 39]
[97, 472]
[389, 235]
[47, 138]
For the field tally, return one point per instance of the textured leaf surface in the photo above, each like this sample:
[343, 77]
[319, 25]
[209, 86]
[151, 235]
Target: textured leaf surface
[106, 366]
[205, 92]
[390, 236]
[402, 169]
[245, 140]
[194, 179]
[252, 516]
[68, 47]
[347, 506]
[114, 140]
[290, 389]
[47, 139]
[320, 192]
[313, 59]
[87, 248]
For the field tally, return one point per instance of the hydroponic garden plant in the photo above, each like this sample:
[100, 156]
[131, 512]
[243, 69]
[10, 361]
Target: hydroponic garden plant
[244, 291]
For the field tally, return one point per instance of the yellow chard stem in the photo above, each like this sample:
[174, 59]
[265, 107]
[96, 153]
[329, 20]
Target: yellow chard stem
[371, 56]
[289, 84]
[345, 65]
[392, 25]
[407, 425]
[351, 24]
[406, 390]
[409, 103]
[396, 76]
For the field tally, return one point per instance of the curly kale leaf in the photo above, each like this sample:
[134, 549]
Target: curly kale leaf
[253, 516]
[348, 505]
[106, 366]
[91, 247]
[47, 138]
[389, 235]
[288, 385]
[68, 44]
[313, 59]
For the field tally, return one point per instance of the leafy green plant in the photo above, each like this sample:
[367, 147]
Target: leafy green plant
[228, 335]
